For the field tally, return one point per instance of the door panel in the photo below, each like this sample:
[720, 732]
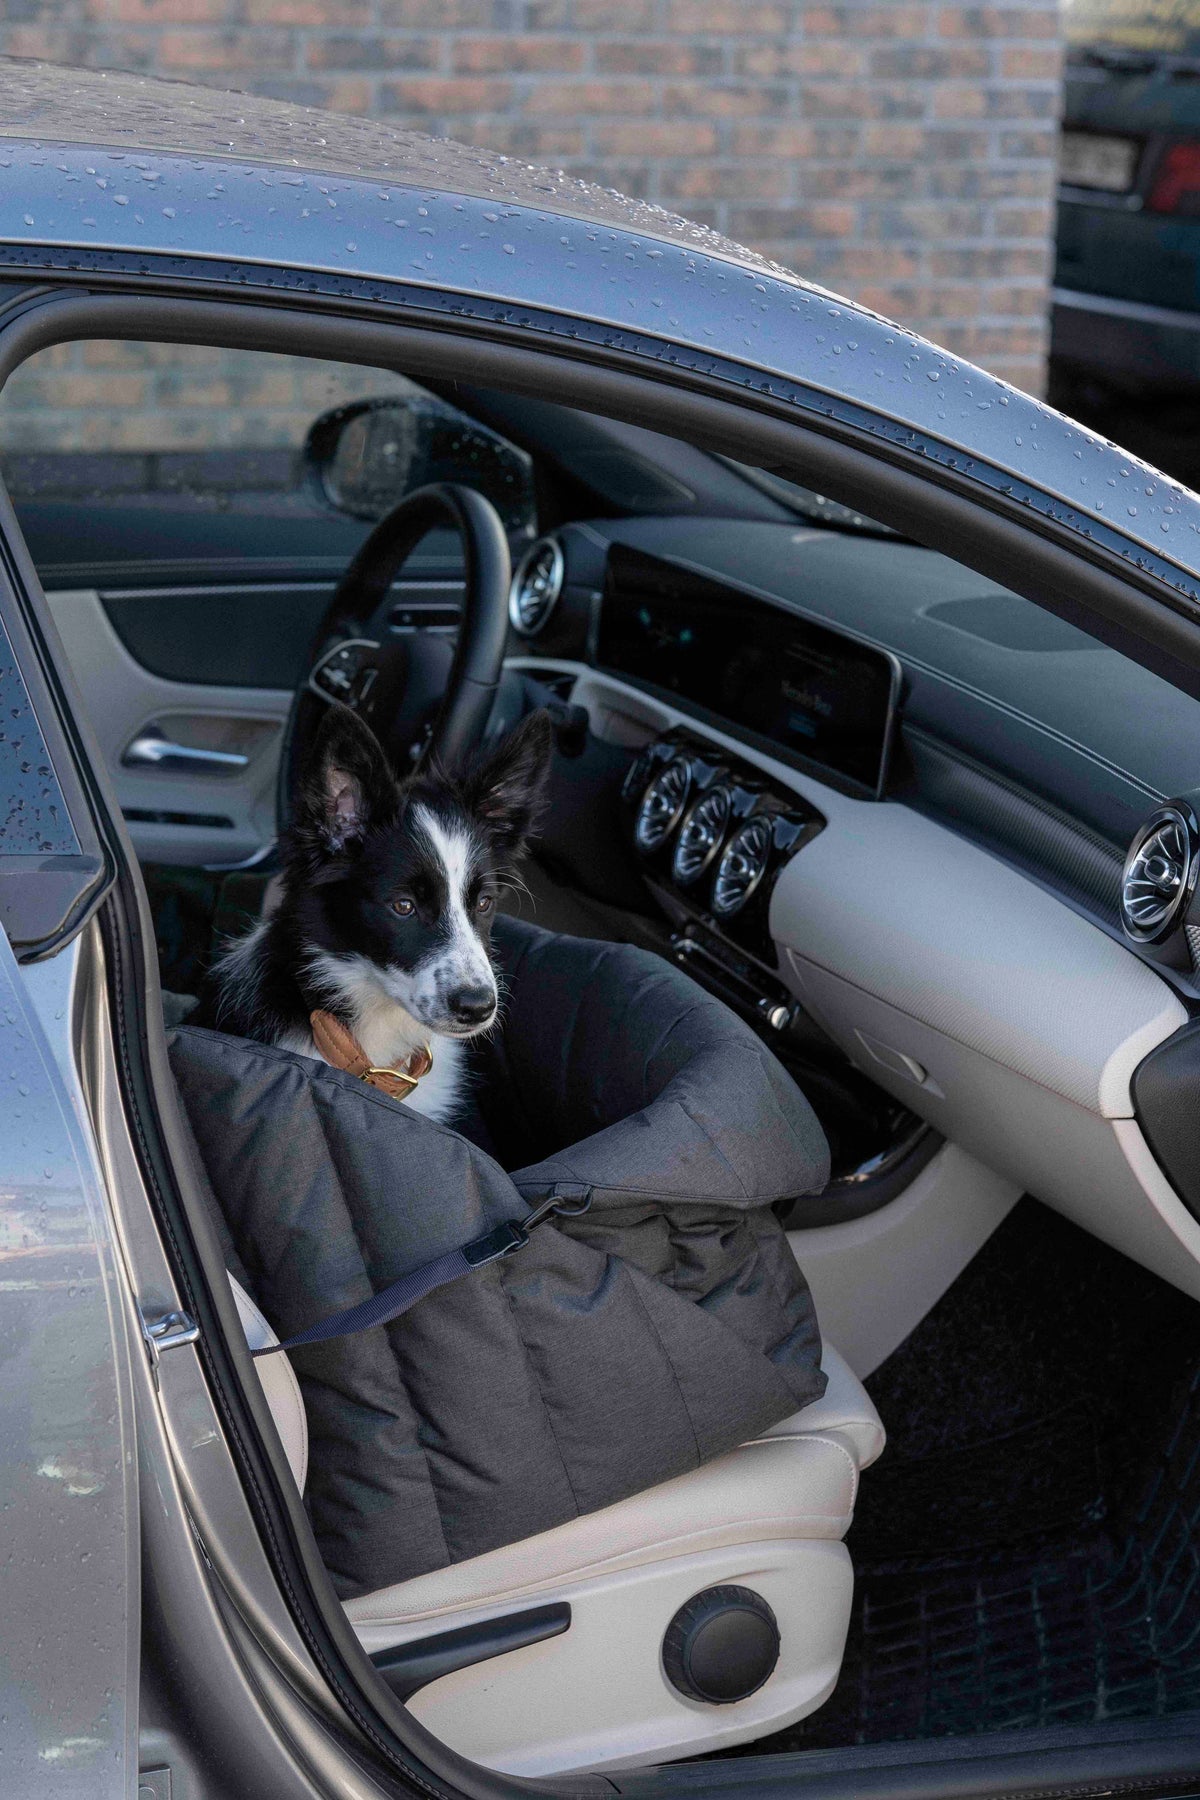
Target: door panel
[260, 633]
[253, 634]
[180, 809]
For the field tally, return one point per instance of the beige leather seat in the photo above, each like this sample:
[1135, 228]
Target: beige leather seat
[769, 1516]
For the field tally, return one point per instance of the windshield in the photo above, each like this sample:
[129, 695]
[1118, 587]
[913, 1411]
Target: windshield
[1142, 27]
[806, 503]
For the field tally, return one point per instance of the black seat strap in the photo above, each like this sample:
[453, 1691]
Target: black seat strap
[380, 1309]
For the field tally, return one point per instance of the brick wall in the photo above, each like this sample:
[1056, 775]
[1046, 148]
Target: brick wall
[901, 153]
[102, 396]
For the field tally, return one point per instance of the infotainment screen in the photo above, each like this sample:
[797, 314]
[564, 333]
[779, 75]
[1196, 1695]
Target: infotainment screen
[820, 697]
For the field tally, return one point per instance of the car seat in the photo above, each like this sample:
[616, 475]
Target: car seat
[766, 1520]
[584, 1508]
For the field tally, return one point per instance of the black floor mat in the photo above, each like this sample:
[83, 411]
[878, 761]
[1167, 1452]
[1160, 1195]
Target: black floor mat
[1027, 1552]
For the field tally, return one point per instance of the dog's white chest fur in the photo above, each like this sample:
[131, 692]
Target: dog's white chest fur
[438, 1095]
[389, 1034]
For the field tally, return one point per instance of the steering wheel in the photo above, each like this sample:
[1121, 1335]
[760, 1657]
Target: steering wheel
[402, 685]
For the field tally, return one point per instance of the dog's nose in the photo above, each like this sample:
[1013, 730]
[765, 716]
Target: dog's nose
[471, 1005]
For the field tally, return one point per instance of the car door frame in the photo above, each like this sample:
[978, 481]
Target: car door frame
[69, 1577]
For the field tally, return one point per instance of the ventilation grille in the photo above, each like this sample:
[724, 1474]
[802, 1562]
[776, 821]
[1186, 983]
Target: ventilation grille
[700, 835]
[742, 866]
[536, 586]
[1160, 874]
[662, 805]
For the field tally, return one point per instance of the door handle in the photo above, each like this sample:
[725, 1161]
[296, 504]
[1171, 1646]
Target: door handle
[152, 751]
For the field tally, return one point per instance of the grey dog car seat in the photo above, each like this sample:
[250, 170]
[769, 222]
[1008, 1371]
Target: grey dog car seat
[618, 1349]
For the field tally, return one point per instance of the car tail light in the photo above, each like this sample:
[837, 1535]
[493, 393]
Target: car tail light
[1176, 185]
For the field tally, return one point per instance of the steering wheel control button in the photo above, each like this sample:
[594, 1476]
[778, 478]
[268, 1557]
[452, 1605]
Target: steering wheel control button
[345, 672]
[1158, 882]
[721, 1646]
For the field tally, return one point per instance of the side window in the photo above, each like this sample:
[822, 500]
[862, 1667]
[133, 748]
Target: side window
[143, 423]
[33, 813]
[189, 510]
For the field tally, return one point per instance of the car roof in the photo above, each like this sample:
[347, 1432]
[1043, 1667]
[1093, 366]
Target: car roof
[120, 170]
[111, 108]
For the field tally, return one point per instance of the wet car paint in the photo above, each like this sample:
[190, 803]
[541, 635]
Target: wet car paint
[68, 1570]
[497, 233]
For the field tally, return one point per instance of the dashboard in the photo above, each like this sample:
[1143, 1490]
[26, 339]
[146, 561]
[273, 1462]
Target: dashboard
[874, 799]
[875, 793]
[816, 696]
[1007, 723]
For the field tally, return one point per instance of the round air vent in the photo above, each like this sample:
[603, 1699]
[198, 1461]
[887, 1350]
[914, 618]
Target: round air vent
[1160, 872]
[700, 835]
[536, 584]
[637, 775]
[662, 805]
[742, 866]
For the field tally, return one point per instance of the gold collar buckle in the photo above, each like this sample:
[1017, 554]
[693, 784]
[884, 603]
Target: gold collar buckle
[342, 1050]
[416, 1072]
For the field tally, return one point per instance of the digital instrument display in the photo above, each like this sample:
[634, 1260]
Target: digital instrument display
[816, 695]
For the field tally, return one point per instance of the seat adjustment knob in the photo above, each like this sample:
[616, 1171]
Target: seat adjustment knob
[721, 1645]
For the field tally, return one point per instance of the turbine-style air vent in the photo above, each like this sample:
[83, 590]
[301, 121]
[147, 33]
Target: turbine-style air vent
[662, 805]
[1160, 874]
[700, 835]
[637, 775]
[742, 866]
[536, 584]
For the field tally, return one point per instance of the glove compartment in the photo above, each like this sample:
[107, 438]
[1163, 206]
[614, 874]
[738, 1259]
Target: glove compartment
[991, 1008]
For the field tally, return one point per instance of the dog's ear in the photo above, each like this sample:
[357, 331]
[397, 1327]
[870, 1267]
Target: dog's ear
[506, 790]
[347, 787]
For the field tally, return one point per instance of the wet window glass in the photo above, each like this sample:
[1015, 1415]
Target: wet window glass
[33, 814]
[213, 430]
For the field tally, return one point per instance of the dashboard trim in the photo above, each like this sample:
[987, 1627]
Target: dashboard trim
[1053, 1113]
[844, 780]
[754, 591]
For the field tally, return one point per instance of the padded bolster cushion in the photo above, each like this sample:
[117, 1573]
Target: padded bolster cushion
[616, 1351]
[616, 1073]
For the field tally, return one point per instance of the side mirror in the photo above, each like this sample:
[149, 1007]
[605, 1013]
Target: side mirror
[363, 458]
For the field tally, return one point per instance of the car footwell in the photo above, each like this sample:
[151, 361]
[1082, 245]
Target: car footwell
[1027, 1552]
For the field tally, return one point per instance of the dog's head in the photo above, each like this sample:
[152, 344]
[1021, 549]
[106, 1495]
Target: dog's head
[396, 884]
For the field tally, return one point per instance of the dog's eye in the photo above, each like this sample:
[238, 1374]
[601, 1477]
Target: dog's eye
[484, 904]
[404, 906]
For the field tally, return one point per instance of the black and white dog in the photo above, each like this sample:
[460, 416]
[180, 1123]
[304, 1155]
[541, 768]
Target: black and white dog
[388, 894]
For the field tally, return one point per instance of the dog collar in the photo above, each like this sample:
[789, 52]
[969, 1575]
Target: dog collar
[340, 1048]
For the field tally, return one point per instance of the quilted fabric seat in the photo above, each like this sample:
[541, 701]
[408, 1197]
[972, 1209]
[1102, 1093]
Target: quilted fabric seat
[619, 1350]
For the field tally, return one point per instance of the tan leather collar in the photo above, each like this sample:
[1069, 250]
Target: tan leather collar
[339, 1046]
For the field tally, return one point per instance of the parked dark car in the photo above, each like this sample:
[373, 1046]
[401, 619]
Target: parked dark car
[1127, 273]
[876, 686]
